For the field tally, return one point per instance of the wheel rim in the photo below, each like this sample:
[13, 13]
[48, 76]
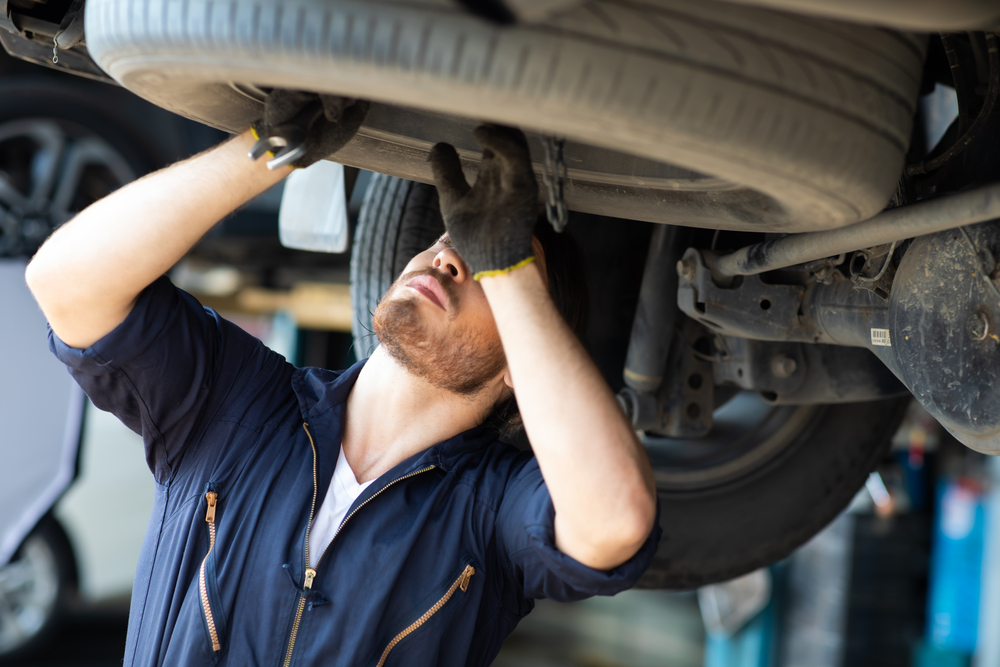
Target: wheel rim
[29, 588]
[49, 170]
[746, 435]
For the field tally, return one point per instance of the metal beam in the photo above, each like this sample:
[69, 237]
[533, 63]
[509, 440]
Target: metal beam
[924, 217]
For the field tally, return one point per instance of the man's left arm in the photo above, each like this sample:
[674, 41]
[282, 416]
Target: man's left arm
[597, 473]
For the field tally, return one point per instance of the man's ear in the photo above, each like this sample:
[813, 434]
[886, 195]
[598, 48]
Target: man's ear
[508, 380]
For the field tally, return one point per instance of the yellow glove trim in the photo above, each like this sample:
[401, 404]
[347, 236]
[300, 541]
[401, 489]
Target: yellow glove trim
[253, 131]
[500, 272]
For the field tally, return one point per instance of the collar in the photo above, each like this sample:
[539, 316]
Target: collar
[322, 398]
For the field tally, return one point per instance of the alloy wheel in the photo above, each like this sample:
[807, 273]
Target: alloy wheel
[29, 591]
[50, 170]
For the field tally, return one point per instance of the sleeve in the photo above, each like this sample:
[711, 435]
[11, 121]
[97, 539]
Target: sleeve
[169, 363]
[526, 538]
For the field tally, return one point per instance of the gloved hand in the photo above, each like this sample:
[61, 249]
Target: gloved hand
[489, 223]
[339, 121]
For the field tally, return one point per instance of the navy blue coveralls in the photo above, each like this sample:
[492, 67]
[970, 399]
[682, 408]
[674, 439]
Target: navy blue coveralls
[435, 563]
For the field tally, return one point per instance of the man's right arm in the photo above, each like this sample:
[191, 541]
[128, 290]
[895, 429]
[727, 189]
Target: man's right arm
[88, 275]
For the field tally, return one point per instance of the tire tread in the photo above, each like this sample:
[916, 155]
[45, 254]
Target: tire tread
[673, 80]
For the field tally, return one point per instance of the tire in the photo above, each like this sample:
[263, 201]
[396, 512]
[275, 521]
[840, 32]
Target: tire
[799, 469]
[696, 113]
[765, 481]
[62, 147]
[34, 589]
[398, 219]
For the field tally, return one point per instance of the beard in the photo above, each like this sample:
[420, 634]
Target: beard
[460, 360]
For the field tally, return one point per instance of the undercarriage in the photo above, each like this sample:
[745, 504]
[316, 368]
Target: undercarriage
[789, 207]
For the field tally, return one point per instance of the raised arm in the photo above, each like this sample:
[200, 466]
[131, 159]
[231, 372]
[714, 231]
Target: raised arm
[597, 474]
[87, 276]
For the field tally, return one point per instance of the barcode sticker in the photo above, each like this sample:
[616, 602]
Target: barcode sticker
[881, 337]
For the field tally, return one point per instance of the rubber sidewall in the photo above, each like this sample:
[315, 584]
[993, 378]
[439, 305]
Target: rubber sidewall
[809, 119]
[720, 532]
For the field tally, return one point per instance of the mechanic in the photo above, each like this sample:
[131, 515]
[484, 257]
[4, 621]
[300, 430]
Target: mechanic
[365, 517]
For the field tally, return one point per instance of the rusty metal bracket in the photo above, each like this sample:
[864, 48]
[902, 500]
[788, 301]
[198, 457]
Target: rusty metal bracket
[747, 307]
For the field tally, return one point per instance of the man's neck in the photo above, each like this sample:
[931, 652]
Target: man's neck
[393, 414]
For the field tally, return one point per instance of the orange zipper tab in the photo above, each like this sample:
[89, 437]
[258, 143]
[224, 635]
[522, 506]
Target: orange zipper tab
[466, 575]
[310, 575]
[211, 497]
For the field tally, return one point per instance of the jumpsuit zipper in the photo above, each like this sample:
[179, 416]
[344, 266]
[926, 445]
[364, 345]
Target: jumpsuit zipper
[212, 497]
[462, 582]
[310, 573]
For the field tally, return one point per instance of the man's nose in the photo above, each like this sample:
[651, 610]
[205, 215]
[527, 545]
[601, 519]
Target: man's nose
[449, 261]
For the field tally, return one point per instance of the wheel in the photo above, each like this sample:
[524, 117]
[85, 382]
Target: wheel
[34, 587]
[685, 111]
[761, 483]
[62, 147]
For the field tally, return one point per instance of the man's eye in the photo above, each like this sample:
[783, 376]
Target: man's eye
[444, 239]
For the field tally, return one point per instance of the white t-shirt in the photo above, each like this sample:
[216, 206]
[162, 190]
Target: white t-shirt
[344, 490]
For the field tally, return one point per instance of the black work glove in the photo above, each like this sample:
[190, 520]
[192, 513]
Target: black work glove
[489, 223]
[335, 126]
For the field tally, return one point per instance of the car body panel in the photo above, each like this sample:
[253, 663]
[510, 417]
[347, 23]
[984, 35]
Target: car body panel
[40, 410]
[106, 510]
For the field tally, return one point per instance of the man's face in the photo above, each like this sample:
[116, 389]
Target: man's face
[436, 322]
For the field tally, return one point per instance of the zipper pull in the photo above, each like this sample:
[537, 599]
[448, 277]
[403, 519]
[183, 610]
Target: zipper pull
[310, 575]
[467, 573]
[211, 497]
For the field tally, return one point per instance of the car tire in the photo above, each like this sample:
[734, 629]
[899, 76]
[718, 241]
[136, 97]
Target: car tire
[761, 484]
[63, 145]
[771, 121]
[800, 467]
[35, 587]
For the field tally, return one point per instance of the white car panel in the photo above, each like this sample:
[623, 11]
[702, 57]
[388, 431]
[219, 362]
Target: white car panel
[106, 511]
[40, 411]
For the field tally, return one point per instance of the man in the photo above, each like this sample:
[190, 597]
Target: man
[304, 516]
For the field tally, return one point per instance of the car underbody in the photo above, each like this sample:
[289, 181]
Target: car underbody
[816, 253]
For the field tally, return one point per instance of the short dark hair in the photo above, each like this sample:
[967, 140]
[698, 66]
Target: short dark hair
[567, 282]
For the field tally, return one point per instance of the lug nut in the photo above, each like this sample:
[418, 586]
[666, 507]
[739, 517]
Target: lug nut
[783, 366]
[978, 326]
[687, 268]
